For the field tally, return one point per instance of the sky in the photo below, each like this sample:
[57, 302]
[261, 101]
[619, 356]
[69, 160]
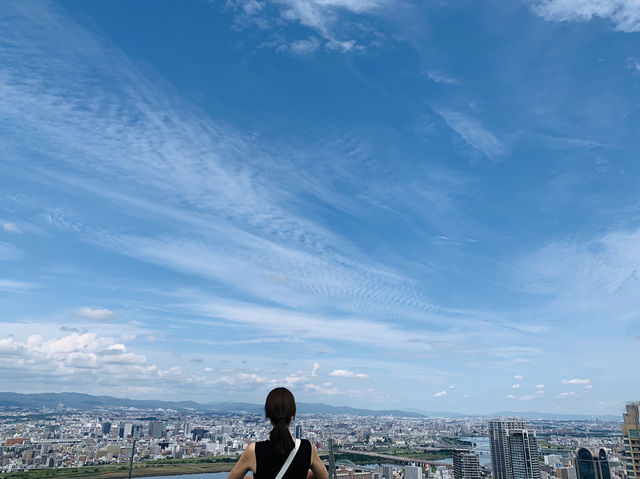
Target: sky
[429, 205]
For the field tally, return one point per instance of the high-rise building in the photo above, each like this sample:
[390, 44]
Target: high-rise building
[125, 429]
[466, 465]
[298, 432]
[136, 430]
[525, 462]
[499, 445]
[631, 436]
[387, 472]
[106, 427]
[592, 464]
[156, 428]
[412, 472]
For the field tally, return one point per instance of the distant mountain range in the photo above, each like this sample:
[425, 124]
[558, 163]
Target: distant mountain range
[88, 402]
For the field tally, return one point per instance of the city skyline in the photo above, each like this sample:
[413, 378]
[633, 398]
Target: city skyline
[376, 203]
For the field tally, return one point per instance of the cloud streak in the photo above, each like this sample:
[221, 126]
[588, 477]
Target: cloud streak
[625, 14]
[474, 134]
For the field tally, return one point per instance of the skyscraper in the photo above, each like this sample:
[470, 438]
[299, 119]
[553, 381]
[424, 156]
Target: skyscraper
[387, 472]
[466, 465]
[298, 432]
[592, 464]
[525, 463]
[412, 472]
[499, 445]
[631, 436]
[156, 428]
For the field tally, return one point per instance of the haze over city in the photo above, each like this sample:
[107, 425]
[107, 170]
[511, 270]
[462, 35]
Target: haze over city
[416, 205]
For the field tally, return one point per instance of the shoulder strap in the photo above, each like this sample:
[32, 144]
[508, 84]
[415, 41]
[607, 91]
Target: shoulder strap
[287, 463]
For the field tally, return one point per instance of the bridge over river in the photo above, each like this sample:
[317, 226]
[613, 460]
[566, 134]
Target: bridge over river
[388, 457]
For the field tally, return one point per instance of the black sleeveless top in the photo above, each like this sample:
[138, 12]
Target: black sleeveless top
[268, 465]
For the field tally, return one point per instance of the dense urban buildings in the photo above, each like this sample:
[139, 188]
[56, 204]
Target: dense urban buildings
[393, 447]
[592, 464]
[630, 433]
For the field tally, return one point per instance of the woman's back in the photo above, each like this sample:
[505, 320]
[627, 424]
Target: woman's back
[268, 463]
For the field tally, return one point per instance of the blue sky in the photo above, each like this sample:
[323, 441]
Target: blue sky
[380, 203]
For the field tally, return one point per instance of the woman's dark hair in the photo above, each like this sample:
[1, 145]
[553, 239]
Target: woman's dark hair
[280, 407]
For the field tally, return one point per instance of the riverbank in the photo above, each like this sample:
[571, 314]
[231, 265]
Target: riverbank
[119, 471]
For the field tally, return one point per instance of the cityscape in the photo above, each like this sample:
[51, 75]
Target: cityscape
[362, 447]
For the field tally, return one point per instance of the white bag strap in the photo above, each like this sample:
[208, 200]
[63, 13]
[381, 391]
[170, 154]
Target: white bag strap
[289, 460]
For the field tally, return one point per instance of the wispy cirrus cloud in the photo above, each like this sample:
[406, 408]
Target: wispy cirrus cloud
[474, 133]
[440, 77]
[625, 14]
[599, 274]
[12, 285]
[325, 18]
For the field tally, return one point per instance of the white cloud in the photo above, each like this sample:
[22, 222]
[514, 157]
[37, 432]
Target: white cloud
[441, 393]
[516, 386]
[345, 373]
[451, 386]
[9, 227]
[625, 14]
[304, 47]
[576, 381]
[535, 395]
[589, 386]
[517, 376]
[326, 388]
[316, 366]
[322, 14]
[440, 77]
[509, 396]
[565, 395]
[323, 17]
[95, 314]
[75, 357]
[476, 135]
[539, 386]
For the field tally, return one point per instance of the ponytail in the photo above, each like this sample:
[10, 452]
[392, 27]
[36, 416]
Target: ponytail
[280, 408]
[281, 438]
